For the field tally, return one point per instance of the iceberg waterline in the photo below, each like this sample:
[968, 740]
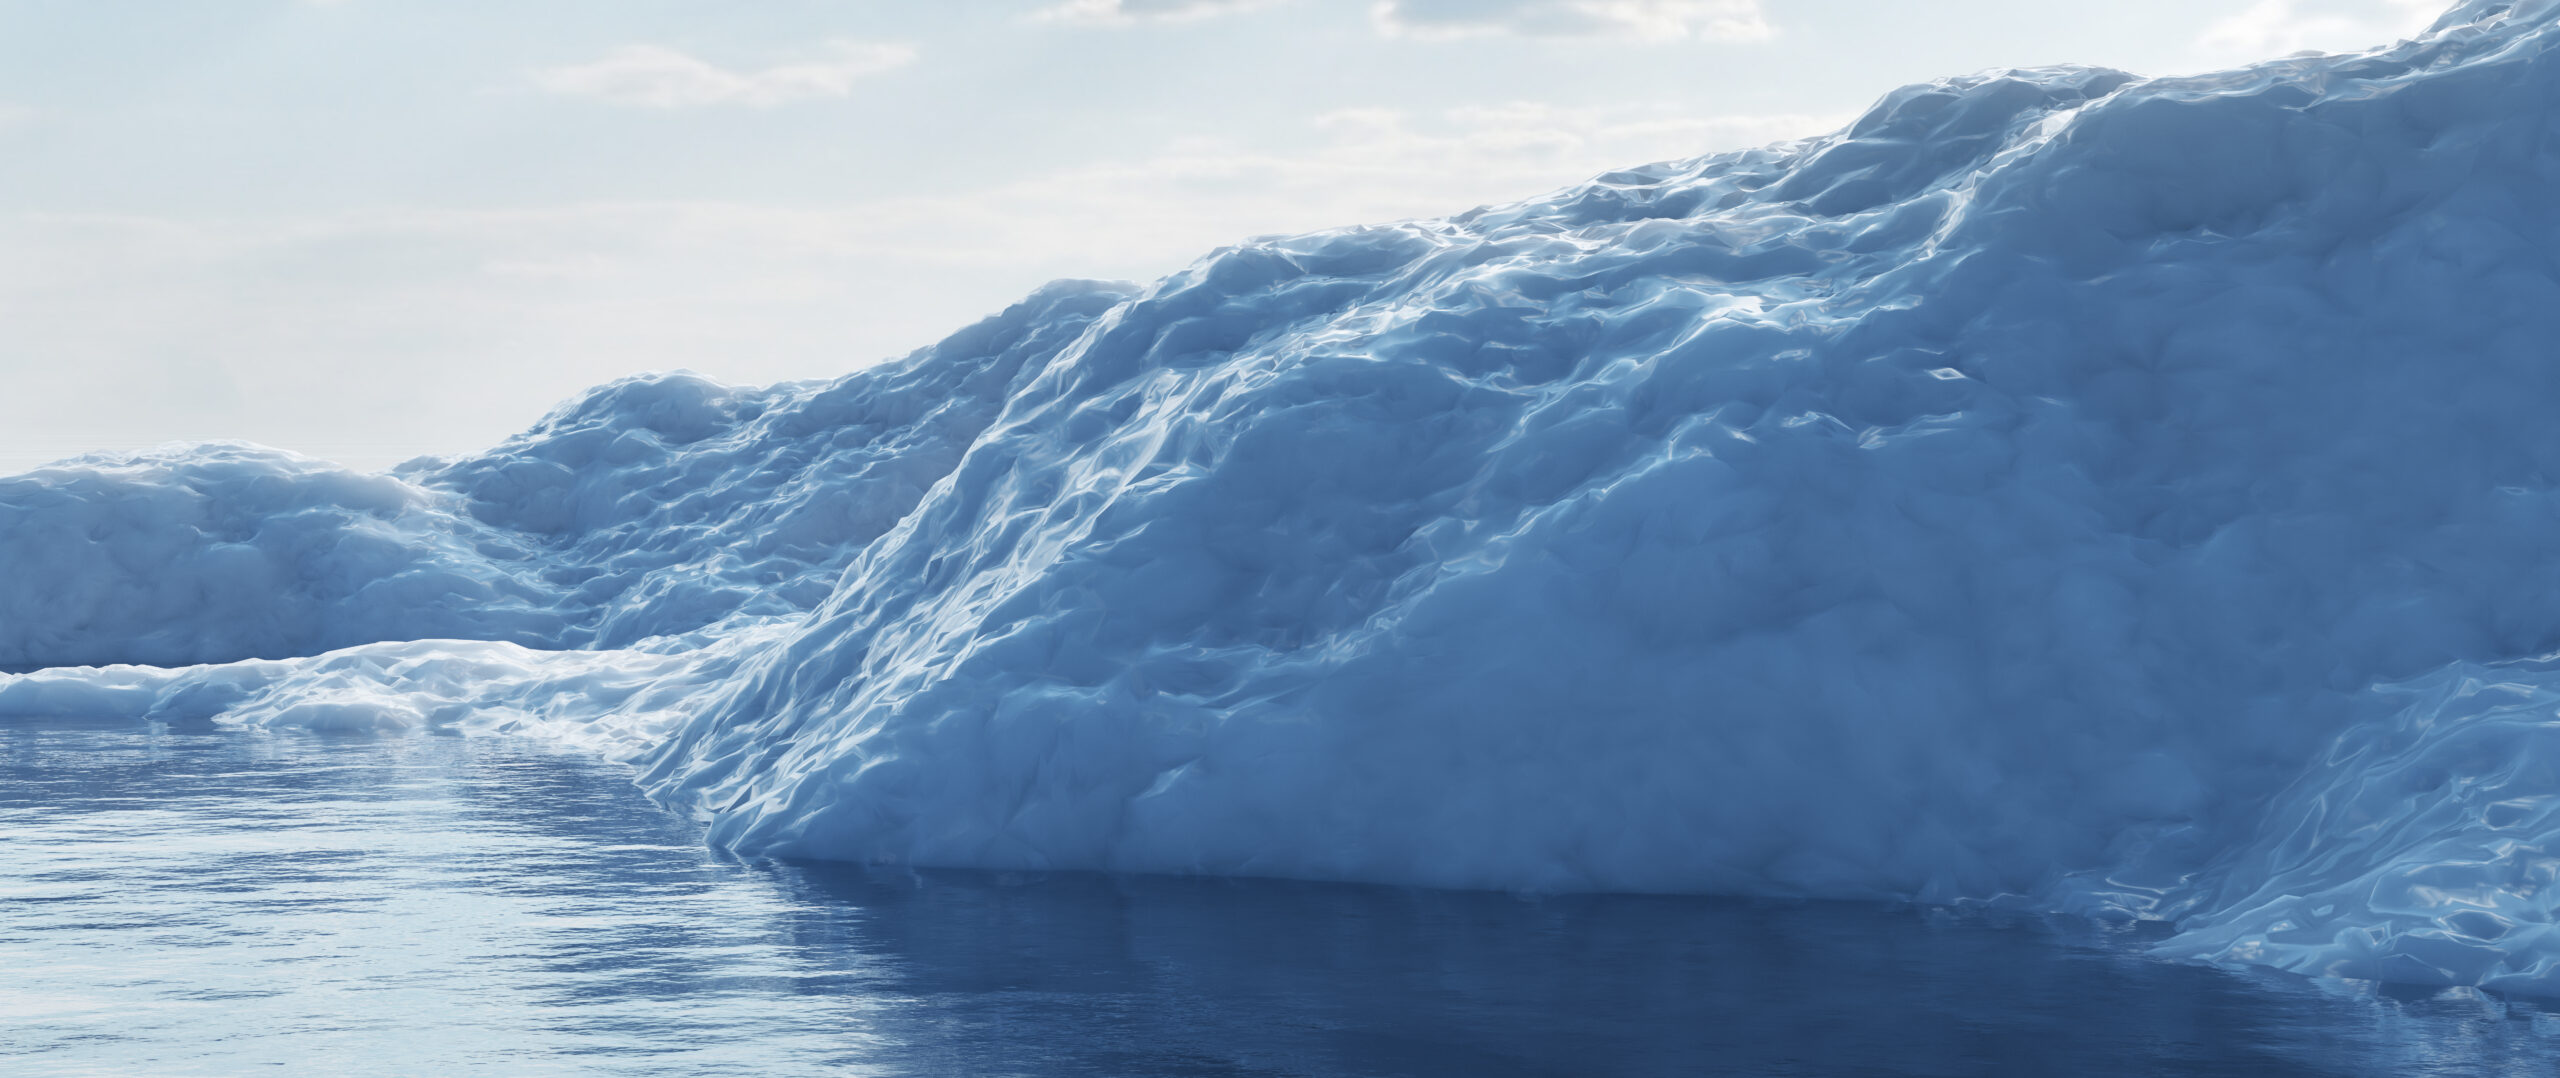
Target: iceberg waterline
[2057, 489]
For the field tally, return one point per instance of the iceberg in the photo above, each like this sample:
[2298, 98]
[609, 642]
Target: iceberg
[2056, 490]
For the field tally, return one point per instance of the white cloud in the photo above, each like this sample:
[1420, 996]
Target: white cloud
[1715, 20]
[659, 77]
[14, 115]
[369, 337]
[2281, 27]
[1128, 11]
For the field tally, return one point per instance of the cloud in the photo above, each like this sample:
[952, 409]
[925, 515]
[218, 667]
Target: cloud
[655, 76]
[371, 336]
[1129, 11]
[2281, 27]
[1660, 20]
[14, 115]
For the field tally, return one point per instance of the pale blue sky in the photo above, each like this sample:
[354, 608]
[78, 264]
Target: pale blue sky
[366, 229]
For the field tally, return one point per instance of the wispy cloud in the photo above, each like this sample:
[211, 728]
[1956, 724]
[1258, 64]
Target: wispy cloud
[655, 76]
[372, 335]
[1717, 20]
[382, 334]
[1129, 11]
[14, 115]
[2278, 27]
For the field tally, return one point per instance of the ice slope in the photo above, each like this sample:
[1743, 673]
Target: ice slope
[655, 506]
[2057, 489]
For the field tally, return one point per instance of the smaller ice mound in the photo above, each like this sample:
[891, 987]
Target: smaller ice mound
[617, 702]
[226, 552]
[658, 506]
[2420, 849]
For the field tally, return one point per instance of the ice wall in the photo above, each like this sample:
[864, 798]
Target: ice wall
[2058, 489]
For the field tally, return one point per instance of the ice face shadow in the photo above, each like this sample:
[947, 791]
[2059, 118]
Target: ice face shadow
[1086, 974]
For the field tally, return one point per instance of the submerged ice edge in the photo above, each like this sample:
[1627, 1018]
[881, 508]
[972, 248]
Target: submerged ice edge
[2133, 495]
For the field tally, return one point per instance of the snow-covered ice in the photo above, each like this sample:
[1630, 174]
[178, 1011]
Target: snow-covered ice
[2058, 490]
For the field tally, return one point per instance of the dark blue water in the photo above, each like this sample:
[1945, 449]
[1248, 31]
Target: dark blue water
[223, 903]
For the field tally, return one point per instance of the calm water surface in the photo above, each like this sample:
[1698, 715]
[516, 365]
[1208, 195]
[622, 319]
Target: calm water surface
[220, 903]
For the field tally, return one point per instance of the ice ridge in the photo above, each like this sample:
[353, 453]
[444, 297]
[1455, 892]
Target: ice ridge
[2056, 489]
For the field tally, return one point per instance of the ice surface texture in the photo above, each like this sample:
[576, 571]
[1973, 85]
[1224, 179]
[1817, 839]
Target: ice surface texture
[2059, 489]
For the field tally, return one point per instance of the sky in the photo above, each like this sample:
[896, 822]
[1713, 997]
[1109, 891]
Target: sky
[372, 229]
